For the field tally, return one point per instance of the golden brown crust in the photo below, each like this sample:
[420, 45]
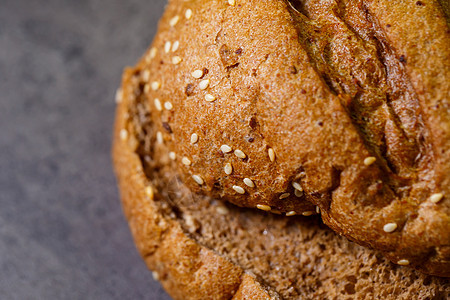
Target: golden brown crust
[268, 88]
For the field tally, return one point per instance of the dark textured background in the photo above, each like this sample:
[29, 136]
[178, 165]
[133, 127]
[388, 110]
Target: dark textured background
[62, 232]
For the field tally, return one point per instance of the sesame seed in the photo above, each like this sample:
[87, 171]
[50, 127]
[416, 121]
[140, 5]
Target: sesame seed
[197, 74]
[271, 154]
[232, 2]
[390, 227]
[168, 105]
[209, 98]
[119, 95]
[435, 198]
[263, 207]
[291, 213]
[249, 182]
[204, 84]
[123, 134]
[153, 52]
[283, 196]
[156, 85]
[298, 193]
[146, 88]
[194, 138]
[176, 60]
[159, 137]
[297, 186]
[238, 189]
[222, 210]
[158, 104]
[317, 210]
[186, 161]
[369, 160]
[403, 262]
[239, 153]
[167, 46]
[225, 148]
[155, 275]
[174, 21]
[228, 169]
[307, 213]
[188, 13]
[149, 192]
[172, 155]
[198, 179]
[146, 75]
[175, 46]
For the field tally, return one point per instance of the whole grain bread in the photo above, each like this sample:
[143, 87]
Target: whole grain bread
[201, 248]
[298, 107]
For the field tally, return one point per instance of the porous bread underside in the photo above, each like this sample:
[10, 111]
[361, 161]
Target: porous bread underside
[298, 257]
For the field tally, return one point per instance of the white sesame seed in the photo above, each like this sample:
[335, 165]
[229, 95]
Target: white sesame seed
[298, 193]
[209, 98]
[435, 198]
[228, 169]
[271, 154]
[146, 75]
[159, 137]
[283, 196]
[297, 186]
[172, 155]
[239, 153]
[186, 161]
[263, 207]
[222, 210]
[403, 262]
[369, 160]
[238, 189]
[232, 2]
[197, 74]
[249, 182]
[307, 213]
[194, 138]
[123, 134]
[390, 227]
[153, 52]
[119, 95]
[291, 213]
[174, 21]
[317, 210]
[168, 105]
[188, 13]
[149, 192]
[155, 275]
[176, 60]
[146, 88]
[203, 85]
[158, 104]
[156, 85]
[198, 179]
[175, 46]
[167, 46]
[225, 149]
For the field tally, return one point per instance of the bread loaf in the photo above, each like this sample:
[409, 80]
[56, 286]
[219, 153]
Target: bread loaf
[332, 107]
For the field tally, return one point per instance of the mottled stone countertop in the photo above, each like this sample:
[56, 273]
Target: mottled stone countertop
[62, 231]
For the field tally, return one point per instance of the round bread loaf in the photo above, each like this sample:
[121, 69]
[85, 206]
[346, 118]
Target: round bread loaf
[337, 107]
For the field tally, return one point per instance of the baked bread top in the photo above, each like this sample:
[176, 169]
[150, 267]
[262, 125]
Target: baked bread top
[285, 106]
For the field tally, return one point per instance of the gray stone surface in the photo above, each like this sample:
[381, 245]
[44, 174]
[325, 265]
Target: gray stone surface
[62, 231]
